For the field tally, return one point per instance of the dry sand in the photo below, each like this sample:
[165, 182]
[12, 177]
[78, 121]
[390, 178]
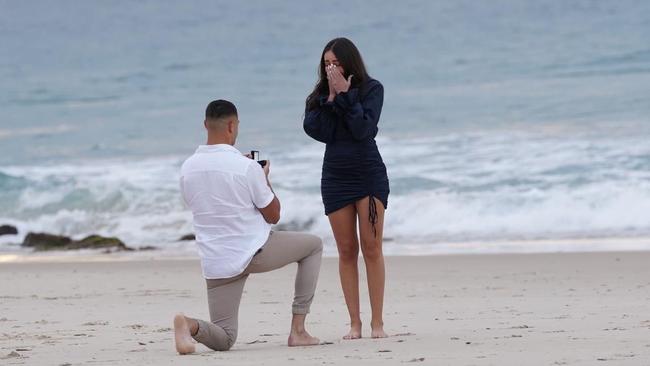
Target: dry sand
[535, 309]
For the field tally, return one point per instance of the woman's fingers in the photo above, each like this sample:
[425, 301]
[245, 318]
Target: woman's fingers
[337, 80]
[340, 83]
[335, 76]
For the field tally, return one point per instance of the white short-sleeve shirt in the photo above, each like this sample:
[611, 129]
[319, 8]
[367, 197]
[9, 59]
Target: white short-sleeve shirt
[223, 189]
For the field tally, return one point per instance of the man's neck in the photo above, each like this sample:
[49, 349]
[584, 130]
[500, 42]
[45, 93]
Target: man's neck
[218, 140]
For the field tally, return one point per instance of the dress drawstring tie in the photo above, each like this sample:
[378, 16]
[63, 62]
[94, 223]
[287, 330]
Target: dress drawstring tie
[373, 214]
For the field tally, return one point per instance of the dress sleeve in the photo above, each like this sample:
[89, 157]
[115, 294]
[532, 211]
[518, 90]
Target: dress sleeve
[320, 122]
[361, 116]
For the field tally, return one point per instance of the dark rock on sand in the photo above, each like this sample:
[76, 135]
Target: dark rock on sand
[187, 237]
[148, 247]
[8, 230]
[43, 241]
[96, 241]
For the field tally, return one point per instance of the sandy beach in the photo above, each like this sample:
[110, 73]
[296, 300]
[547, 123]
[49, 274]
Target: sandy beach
[533, 309]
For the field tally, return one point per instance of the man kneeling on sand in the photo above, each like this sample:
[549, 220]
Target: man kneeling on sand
[233, 206]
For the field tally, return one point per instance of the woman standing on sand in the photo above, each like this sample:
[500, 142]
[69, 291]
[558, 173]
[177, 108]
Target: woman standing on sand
[343, 112]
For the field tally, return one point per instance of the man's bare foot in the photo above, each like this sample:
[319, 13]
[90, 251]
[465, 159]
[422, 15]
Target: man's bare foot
[182, 335]
[354, 333]
[378, 331]
[298, 339]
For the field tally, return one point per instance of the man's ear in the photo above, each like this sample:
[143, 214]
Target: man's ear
[231, 126]
[205, 124]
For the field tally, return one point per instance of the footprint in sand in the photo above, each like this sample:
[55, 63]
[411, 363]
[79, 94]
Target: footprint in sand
[11, 355]
[95, 323]
[134, 326]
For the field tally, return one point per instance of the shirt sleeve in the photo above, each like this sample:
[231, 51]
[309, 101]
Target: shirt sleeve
[260, 192]
[361, 116]
[320, 122]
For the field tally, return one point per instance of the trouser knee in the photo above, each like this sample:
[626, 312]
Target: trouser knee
[223, 344]
[230, 341]
[316, 243]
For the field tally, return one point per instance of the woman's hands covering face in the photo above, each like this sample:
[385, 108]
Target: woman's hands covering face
[337, 83]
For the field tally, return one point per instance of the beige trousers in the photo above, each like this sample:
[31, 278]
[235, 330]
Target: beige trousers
[224, 295]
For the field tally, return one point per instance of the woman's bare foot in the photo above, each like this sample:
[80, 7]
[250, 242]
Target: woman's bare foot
[354, 333]
[378, 331]
[182, 335]
[298, 339]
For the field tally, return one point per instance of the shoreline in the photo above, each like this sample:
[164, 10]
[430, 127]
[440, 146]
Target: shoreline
[391, 249]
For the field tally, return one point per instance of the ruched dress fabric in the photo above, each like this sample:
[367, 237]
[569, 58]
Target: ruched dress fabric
[352, 166]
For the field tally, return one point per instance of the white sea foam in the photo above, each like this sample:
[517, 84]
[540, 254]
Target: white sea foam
[454, 188]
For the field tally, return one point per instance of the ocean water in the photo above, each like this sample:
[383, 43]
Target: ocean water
[511, 121]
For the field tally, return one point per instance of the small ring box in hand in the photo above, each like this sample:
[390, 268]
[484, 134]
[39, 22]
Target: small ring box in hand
[255, 155]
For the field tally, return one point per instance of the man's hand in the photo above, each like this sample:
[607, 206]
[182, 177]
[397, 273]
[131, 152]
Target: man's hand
[271, 213]
[267, 168]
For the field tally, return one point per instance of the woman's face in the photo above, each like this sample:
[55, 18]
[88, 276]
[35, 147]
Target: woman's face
[330, 59]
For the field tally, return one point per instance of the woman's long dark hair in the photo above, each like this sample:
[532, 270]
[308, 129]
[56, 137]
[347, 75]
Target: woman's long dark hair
[349, 58]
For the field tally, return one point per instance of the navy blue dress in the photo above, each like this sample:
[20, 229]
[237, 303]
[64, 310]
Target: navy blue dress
[352, 166]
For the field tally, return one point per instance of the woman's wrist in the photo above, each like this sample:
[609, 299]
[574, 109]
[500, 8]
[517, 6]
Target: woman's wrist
[331, 97]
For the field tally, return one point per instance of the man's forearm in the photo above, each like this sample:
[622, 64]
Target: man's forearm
[268, 183]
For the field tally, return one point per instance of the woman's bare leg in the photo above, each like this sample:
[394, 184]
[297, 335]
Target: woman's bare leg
[371, 246]
[344, 227]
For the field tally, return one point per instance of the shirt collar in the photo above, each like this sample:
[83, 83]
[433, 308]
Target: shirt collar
[217, 148]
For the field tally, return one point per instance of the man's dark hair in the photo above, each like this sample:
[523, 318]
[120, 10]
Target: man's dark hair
[219, 109]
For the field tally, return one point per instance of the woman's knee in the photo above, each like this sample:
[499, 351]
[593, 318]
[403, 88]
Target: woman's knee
[348, 250]
[371, 249]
